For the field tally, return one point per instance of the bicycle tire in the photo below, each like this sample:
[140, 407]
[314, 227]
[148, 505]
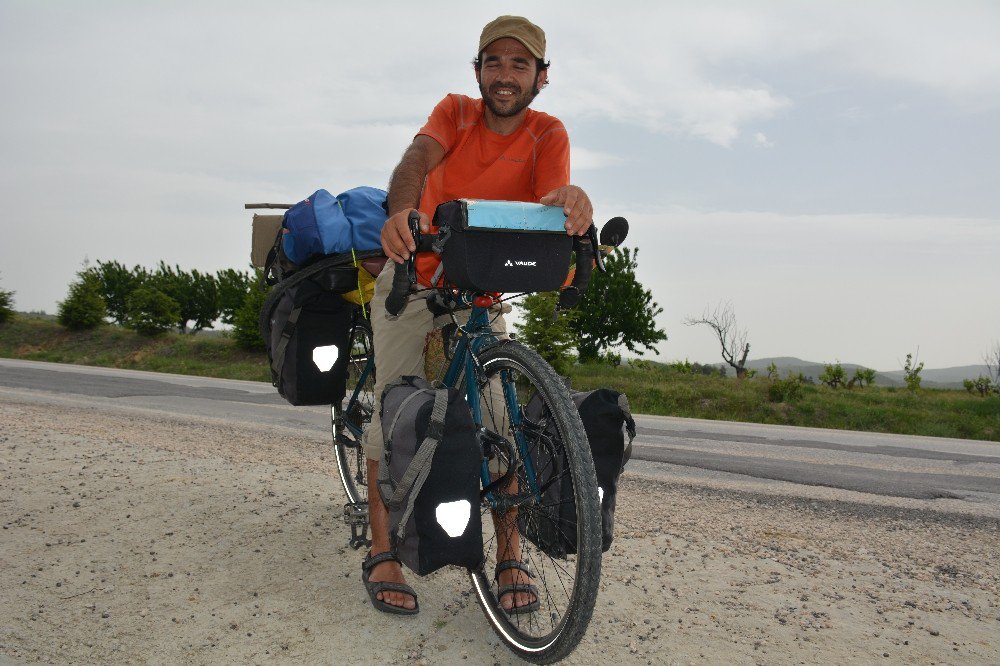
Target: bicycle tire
[350, 455]
[566, 586]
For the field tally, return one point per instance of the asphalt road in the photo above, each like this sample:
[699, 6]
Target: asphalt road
[926, 472]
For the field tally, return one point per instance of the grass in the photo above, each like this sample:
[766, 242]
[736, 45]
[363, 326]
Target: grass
[651, 388]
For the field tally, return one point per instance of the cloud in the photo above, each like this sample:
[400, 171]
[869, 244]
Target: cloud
[584, 159]
[761, 141]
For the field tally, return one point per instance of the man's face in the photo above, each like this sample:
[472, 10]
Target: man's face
[507, 77]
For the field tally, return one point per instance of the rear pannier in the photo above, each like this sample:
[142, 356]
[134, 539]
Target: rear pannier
[429, 477]
[306, 323]
[503, 246]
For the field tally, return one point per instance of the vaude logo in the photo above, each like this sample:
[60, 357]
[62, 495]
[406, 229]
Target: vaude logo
[519, 263]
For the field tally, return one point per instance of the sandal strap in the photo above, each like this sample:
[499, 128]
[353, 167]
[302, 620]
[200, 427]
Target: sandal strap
[507, 565]
[389, 586]
[514, 588]
[373, 561]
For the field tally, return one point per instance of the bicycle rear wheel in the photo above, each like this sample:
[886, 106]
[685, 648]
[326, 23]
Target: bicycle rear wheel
[511, 378]
[351, 418]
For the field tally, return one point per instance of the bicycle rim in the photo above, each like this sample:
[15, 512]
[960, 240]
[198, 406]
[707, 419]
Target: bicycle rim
[566, 584]
[352, 418]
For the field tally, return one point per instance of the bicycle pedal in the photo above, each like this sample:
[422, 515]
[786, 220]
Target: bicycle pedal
[356, 515]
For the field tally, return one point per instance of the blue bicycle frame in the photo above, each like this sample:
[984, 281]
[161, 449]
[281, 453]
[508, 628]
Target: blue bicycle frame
[472, 337]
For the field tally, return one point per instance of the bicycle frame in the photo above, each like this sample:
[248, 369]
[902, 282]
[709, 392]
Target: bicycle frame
[472, 337]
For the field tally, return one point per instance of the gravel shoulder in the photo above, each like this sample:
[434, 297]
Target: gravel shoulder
[130, 536]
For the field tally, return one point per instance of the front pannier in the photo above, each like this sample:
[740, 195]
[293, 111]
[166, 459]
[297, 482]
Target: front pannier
[306, 323]
[552, 524]
[429, 477]
[503, 246]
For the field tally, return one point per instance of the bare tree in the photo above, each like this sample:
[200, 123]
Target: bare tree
[732, 338]
[992, 361]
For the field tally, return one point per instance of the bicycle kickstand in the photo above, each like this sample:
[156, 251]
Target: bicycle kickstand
[356, 515]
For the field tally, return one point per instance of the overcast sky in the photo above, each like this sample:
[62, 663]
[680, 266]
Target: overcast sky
[829, 168]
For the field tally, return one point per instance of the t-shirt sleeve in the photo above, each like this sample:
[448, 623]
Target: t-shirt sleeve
[442, 125]
[551, 160]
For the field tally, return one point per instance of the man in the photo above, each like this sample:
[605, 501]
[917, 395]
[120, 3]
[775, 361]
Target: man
[489, 148]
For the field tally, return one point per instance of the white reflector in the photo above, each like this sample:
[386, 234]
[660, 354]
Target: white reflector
[454, 516]
[600, 495]
[325, 357]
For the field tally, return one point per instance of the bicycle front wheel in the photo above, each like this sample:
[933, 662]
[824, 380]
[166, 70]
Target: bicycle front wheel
[539, 464]
[351, 418]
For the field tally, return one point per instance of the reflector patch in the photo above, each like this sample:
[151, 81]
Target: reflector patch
[600, 495]
[454, 517]
[325, 357]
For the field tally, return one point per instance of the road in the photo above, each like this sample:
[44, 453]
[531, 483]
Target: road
[150, 518]
[949, 474]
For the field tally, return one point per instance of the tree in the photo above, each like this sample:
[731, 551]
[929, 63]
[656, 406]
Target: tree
[992, 361]
[911, 373]
[83, 308]
[6, 306]
[149, 311]
[732, 338]
[548, 333]
[233, 286]
[246, 320]
[195, 293]
[616, 310]
[116, 282]
[863, 376]
[833, 375]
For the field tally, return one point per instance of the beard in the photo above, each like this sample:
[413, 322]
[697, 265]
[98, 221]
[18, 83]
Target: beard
[519, 101]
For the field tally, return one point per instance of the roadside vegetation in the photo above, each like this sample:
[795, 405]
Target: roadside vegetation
[679, 389]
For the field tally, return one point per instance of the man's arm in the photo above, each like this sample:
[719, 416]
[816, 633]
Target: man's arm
[405, 187]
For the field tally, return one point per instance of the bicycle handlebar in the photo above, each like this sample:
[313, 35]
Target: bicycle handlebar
[588, 254]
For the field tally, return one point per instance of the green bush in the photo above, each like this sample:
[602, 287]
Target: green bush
[788, 389]
[552, 337]
[6, 306]
[83, 308]
[116, 282]
[246, 320]
[982, 385]
[149, 311]
[911, 373]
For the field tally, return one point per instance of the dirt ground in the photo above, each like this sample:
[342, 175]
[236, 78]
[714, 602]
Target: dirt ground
[131, 537]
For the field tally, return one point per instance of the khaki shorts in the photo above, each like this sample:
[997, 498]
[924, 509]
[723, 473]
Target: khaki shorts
[399, 348]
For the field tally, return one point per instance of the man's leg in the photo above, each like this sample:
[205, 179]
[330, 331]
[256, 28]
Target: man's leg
[399, 347]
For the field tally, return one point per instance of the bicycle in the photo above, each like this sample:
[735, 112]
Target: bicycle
[506, 377]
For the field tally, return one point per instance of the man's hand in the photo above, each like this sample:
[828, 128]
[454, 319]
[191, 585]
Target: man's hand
[576, 205]
[397, 241]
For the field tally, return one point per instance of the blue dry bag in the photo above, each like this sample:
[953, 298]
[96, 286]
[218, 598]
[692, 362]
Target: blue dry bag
[324, 224]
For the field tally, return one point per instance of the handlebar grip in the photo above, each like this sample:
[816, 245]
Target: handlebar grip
[570, 296]
[404, 274]
[395, 302]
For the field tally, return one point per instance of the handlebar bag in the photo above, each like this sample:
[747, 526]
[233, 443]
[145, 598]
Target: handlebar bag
[429, 476]
[551, 525]
[306, 323]
[503, 246]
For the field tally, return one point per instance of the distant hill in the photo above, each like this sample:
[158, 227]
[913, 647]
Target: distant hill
[932, 378]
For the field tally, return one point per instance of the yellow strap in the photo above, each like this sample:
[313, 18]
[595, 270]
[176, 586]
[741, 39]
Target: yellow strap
[354, 257]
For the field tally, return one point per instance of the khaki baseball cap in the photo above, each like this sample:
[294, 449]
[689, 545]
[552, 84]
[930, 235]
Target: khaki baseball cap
[516, 27]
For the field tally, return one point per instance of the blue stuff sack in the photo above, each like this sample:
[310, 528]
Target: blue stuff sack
[324, 224]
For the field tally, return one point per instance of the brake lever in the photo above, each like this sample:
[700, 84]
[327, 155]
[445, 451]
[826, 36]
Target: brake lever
[598, 255]
[411, 264]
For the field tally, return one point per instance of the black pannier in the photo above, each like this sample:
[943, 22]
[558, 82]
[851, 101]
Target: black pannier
[503, 246]
[429, 476]
[552, 524]
[306, 323]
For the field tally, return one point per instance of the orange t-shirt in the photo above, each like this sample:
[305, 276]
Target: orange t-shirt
[481, 164]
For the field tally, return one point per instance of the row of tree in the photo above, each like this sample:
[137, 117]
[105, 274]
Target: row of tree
[157, 300]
